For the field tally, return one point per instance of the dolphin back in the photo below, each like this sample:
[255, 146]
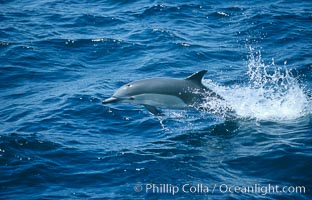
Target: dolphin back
[197, 77]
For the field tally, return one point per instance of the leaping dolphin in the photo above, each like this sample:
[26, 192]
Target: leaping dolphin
[168, 93]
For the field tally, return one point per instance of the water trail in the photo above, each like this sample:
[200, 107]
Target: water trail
[271, 93]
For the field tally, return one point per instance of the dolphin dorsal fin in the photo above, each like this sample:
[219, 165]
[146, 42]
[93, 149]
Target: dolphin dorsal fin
[197, 77]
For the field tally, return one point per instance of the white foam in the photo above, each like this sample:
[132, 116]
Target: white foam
[271, 93]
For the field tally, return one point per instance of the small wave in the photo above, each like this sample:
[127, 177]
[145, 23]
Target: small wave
[182, 10]
[95, 20]
[272, 93]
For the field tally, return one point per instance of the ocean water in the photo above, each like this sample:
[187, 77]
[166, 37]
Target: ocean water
[60, 59]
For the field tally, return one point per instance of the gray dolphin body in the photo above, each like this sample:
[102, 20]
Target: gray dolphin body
[167, 93]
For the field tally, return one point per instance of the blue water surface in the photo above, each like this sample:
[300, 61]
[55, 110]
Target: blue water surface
[60, 59]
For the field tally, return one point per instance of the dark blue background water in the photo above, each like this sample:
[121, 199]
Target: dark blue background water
[60, 59]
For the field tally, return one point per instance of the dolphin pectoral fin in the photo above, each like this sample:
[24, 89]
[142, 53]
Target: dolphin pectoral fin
[153, 110]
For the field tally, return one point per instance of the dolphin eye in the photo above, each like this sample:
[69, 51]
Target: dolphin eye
[129, 85]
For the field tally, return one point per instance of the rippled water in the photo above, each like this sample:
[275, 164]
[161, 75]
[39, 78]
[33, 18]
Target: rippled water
[60, 59]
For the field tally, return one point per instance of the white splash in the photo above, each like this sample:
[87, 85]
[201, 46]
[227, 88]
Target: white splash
[272, 93]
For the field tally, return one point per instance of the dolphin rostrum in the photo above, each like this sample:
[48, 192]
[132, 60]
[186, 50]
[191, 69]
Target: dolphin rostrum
[168, 93]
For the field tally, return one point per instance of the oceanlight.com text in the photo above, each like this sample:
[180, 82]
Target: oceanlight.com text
[202, 188]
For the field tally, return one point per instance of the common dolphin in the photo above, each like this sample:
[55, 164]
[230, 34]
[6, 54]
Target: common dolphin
[168, 93]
